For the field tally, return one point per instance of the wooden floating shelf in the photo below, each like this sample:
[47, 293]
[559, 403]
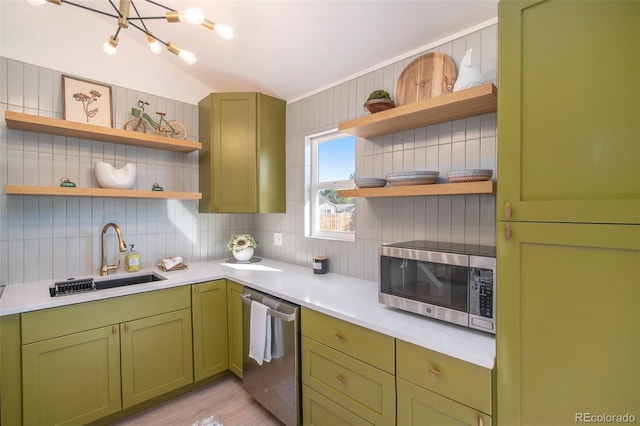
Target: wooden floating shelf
[483, 187]
[99, 192]
[53, 126]
[465, 103]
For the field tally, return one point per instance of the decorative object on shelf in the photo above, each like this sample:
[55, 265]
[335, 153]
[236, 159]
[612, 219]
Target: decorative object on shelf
[379, 100]
[172, 263]
[65, 182]
[110, 177]
[242, 247]
[428, 76]
[171, 129]
[469, 74]
[370, 182]
[471, 175]
[412, 178]
[86, 101]
[156, 187]
[122, 15]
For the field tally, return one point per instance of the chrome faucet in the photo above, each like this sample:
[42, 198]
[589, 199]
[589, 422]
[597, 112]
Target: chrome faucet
[104, 268]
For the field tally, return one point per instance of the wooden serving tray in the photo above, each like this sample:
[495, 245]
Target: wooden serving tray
[427, 76]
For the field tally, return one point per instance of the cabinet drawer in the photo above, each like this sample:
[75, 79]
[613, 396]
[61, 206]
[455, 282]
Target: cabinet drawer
[54, 322]
[453, 378]
[359, 342]
[318, 410]
[353, 384]
[420, 407]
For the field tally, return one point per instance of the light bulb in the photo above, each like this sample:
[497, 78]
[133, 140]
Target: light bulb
[192, 16]
[188, 57]
[154, 45]
[37, 2]
[110, 46]
[225, 31]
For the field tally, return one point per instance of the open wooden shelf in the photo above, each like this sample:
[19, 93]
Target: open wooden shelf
[483, 187]
[99, 192]
[465, 103]
[53, 126]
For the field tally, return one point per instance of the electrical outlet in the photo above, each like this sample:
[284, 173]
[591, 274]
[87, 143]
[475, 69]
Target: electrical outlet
[277, 239]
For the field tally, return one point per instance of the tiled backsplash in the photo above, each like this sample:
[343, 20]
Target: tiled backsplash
[47, 237]
[469, 143]
[44, 237]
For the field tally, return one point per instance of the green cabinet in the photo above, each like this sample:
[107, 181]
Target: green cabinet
[568, 111]
[234, 326]
[242, 161]
[10, 370]
[156, 356]
[82, 362]
[337, 362]
[568, 243]
[321, 411]
[209, 311]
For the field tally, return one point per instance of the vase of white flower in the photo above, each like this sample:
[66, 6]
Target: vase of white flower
[242, 247]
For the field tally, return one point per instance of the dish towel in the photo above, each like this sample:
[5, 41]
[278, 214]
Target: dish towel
[277, 330]
[259, 333]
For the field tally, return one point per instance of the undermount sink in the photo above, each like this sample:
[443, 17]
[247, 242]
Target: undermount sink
[73, 286]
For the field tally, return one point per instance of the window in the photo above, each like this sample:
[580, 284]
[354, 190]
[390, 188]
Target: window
[331, 166]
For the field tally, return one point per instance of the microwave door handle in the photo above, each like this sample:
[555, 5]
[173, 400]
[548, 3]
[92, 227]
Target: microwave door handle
[429, 274]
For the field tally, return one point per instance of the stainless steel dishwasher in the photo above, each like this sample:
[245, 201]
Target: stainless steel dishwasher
[275, 384]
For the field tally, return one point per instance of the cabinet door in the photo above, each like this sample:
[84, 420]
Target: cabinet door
[234, 326]
[72, 380]
[209, 312]
[318, 410]
[568, 337]
[568, 111]
[156, 356]
[419, 407]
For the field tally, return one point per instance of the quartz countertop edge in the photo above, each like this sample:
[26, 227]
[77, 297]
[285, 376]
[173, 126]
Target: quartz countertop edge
[351, 299]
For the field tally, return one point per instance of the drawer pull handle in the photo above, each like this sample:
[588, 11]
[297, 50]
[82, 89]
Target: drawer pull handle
[113, 330]
[126, 327]
[480, 422]
[507, 211]
[435, 371]
[339, 335]
[341, 378]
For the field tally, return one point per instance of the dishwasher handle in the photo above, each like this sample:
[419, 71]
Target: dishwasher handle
[246, 299]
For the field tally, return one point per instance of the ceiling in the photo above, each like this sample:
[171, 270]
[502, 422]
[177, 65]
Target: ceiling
[285, 48]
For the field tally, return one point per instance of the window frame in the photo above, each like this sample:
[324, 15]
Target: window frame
[313, 187]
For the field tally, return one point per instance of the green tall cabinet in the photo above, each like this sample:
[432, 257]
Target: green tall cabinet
[568, 243]
[242, 161]
[209, 312]
[234, 326]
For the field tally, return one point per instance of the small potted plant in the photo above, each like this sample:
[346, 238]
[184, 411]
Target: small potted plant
[378, 100]
[242, 247]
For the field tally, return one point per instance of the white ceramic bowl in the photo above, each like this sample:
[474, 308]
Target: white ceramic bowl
[110, 177]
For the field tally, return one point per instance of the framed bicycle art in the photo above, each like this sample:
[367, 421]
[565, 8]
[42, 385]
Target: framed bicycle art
[86, 101]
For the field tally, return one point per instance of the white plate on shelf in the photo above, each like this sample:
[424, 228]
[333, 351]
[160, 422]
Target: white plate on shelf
[470, 175]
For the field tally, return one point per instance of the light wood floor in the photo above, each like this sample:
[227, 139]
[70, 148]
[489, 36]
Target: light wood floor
[225, 401]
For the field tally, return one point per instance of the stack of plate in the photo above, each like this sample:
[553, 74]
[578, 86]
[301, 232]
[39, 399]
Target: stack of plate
[412, 178]
[369, 182]
[471, 175]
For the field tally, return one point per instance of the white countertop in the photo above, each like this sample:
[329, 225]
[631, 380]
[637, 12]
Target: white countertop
[350, 299]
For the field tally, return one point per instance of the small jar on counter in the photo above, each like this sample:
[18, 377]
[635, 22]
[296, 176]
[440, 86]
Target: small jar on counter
[320, 264]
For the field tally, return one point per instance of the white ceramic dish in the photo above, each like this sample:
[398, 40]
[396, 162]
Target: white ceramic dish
[471, 175]
[370, 182]
[412, 178]
[110, 177]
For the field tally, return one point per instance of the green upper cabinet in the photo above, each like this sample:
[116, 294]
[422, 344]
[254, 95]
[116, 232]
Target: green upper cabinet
[568, 113]
[242, 161]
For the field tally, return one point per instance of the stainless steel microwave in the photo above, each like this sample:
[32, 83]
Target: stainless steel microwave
[446, 281]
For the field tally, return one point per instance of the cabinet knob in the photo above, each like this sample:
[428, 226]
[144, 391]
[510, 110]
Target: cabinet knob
[507, 231]
[435, 371]
[507, 210]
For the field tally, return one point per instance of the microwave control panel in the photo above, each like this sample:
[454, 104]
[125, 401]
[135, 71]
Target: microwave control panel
[481, 297]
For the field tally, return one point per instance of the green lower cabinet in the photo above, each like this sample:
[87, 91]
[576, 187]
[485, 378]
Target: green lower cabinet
[418, 406]
[10, 370]
[209, 312]
[156, 356]
[234, 326]
[73, 379]
[321, 411]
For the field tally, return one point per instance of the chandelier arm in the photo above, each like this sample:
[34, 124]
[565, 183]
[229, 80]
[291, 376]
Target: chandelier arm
[146, 30]
[89, 8]
[143, 30]
[160, 5]
[114, 7]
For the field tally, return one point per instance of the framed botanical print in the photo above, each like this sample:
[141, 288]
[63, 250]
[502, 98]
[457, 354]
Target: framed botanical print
[86, 101]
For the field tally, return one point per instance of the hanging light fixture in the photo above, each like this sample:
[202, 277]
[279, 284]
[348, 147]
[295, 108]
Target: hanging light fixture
[124, 18]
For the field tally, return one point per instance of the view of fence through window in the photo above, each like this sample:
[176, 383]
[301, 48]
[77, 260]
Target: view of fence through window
[335, 158]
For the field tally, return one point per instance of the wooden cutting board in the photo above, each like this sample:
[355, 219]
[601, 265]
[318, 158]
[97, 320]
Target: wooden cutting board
[427, 76]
